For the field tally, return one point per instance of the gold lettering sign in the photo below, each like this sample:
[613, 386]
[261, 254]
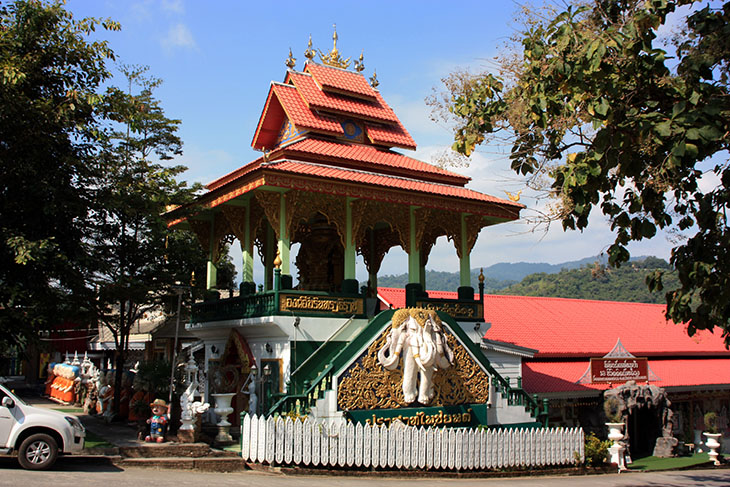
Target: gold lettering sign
[320, 304]
[423, 419]
[455, 310]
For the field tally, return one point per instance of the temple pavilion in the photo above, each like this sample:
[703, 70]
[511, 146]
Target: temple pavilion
[333, 178]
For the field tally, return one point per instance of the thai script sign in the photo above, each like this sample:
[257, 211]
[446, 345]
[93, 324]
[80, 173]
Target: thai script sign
[448, 416]
[619, 369]
[458, 311]
[321, 304]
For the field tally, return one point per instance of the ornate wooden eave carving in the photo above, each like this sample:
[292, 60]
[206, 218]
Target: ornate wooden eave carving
[270, 202]
[373, 250]
[302, 205]
[474, 224]
[367, 213]
[221, 232]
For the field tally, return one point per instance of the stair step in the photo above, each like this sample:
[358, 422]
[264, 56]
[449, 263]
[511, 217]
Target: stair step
[208, 464]
[163, 450]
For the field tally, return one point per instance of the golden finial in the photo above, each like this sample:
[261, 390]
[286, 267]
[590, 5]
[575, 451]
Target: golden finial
[309, 53]
[374, 80]
[481, 276]
[359, 64]
[291, 61]
[192, 279]
[277, 260]
[334, 58]
[514, 197]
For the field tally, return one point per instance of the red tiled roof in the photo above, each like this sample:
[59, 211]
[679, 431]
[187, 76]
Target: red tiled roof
[371, 178]
[316, 98]
[390, 136]
[335, 79]
[373, 156]
[561, 376]
[300, 115]
[559, 327]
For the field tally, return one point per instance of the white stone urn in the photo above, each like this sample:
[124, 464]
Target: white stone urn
[223, 409]
[615, 434]
[713, 444]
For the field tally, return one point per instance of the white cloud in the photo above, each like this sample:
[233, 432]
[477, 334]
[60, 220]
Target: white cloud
[175, 6]
[179, 35]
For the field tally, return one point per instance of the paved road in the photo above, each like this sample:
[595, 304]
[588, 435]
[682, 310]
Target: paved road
[70, 473]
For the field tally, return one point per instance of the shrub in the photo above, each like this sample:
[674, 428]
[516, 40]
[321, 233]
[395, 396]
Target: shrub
[612, 408]
[596, 450]
[711, 423]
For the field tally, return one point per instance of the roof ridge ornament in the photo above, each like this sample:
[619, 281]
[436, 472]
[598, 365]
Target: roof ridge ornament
[333, 58]
[359, 64]
[374, 80]
[309, 52]
[291, 61]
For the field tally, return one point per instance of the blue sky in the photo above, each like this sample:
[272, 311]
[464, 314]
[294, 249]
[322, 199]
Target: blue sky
[217, 59]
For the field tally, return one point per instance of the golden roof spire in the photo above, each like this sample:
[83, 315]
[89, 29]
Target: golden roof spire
[333, 58]
[334, 39]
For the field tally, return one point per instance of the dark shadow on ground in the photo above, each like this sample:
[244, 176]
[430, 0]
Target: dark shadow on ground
[68, 464]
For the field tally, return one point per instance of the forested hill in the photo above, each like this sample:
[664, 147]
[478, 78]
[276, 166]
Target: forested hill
[586, 279]
[627, 283]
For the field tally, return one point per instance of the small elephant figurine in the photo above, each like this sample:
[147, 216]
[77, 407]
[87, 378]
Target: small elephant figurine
[158, 421]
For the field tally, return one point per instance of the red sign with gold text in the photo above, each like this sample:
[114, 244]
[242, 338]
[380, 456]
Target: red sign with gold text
[619, 369]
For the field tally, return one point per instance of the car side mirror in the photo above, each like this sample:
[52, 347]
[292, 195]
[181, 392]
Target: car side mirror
[8, 402]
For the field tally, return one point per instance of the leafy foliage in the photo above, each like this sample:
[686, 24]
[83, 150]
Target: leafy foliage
[83, 183]
[596, 451]
[49, 77]
[595, 105]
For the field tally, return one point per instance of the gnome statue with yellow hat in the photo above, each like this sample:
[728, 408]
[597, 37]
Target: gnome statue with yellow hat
[158, 421]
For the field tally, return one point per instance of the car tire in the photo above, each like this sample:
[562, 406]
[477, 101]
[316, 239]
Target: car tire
[38, 452]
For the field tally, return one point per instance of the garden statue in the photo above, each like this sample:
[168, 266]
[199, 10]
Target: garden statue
[158, 421]
[417, 334]
[191, 409]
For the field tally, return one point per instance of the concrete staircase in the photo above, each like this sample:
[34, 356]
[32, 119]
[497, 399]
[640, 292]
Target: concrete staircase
[181, 456]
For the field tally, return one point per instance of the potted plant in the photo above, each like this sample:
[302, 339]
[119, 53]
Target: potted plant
[712, 433]
[613, 411]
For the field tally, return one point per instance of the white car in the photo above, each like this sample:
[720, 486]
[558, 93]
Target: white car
[37, 435]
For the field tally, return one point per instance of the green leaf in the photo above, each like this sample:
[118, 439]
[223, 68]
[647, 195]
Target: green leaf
[663, 129]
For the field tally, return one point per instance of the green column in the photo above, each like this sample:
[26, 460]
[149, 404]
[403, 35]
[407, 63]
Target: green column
[247, 248]
[464, 261]
[284, 244]
[350, 253]
[211, 274]
[414, 255]
[269, 254]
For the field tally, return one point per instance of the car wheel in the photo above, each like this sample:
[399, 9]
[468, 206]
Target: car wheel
[38, 452]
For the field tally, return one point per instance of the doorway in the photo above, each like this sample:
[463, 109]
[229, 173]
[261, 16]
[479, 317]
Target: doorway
[644, 427]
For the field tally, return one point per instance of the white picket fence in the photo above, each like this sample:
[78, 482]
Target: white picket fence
[309, 443]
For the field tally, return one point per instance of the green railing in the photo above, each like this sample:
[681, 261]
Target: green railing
[279, 301]
[261, 304]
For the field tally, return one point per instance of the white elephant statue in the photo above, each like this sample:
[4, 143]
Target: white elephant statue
[424, 349]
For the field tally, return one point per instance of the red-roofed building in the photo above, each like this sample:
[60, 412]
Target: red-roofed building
[332, 180]
[545, 345]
